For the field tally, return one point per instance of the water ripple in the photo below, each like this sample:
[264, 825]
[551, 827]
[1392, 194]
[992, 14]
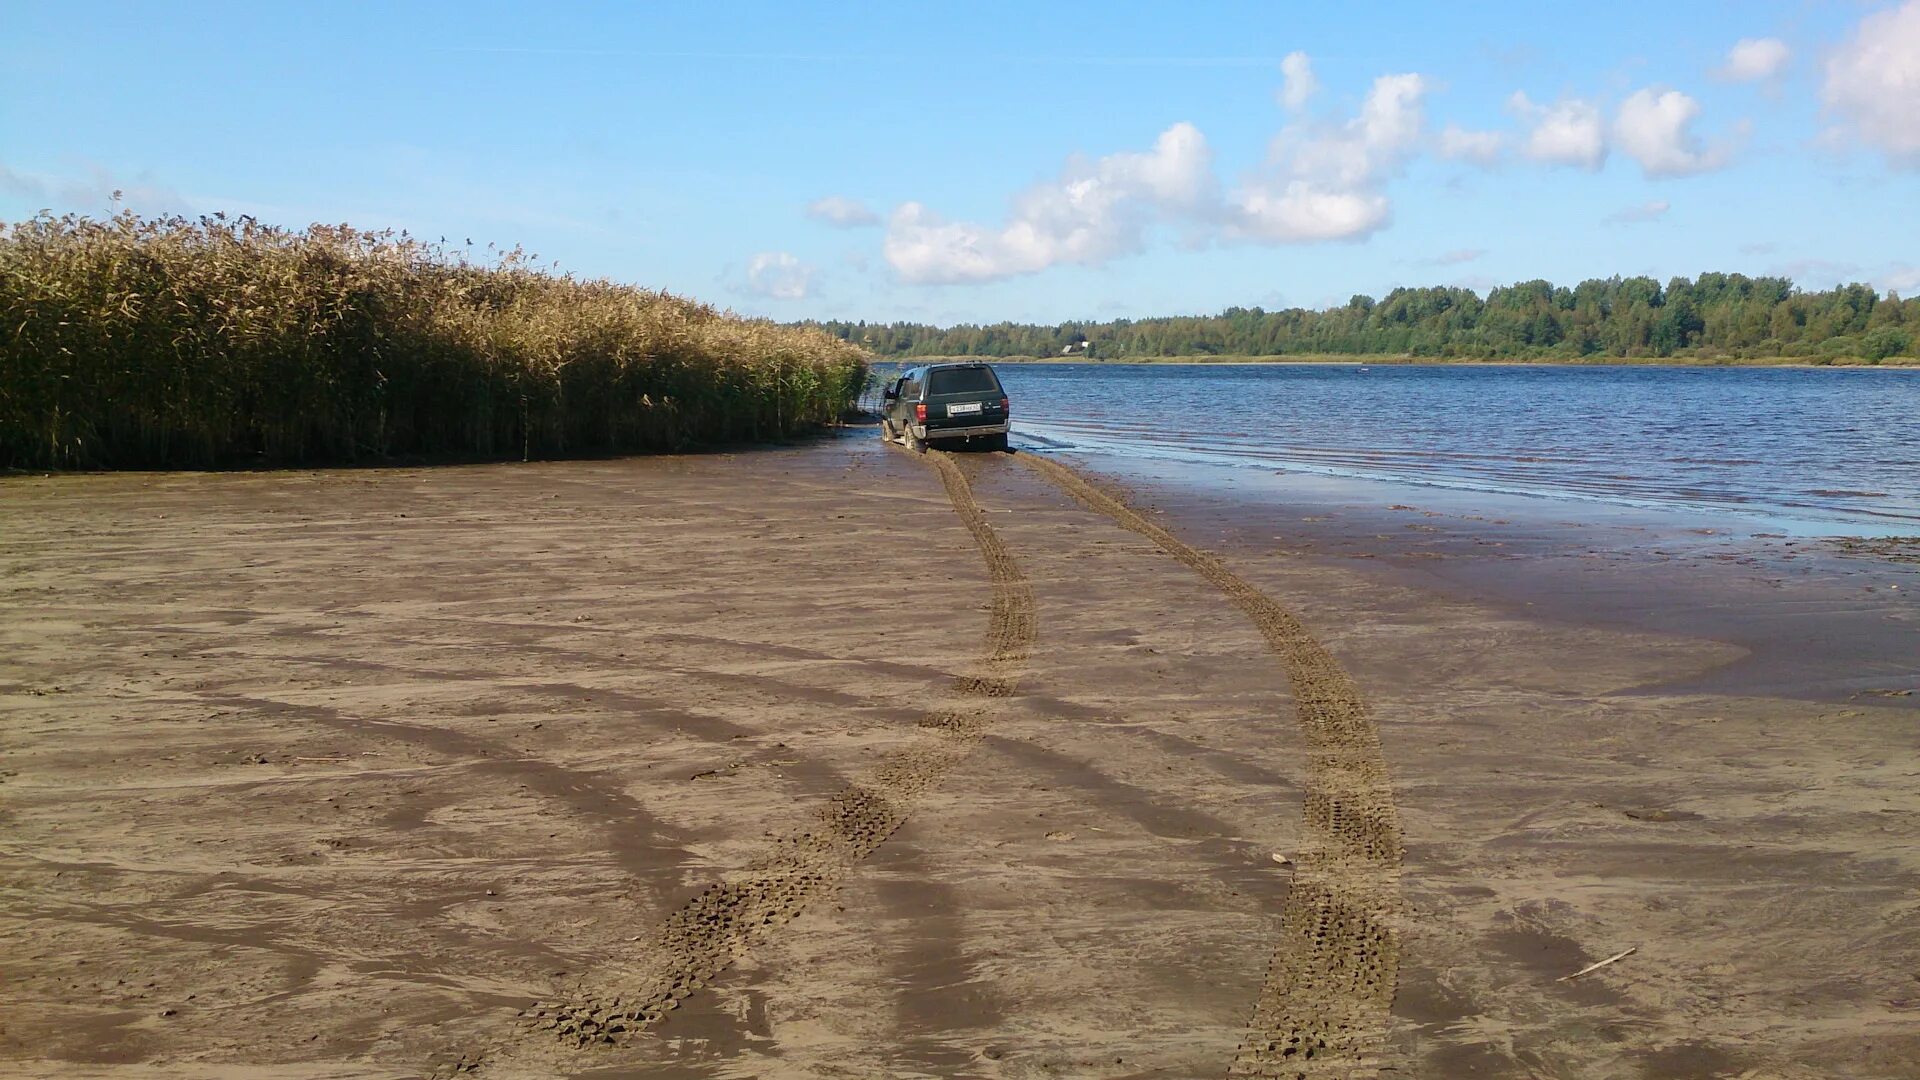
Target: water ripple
[1814, 445]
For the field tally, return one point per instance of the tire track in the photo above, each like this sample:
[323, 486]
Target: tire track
[727, 919]
[1323, 1008]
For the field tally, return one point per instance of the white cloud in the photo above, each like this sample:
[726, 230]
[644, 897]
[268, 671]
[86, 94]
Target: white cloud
[1455, 258]
[1655, 130]
[1323, 183]
[1653, 210]
[1754, 59]
[1479, 147]
[1393, 114]
[924, 248]
[1480, 283]
[1299, 84]
[1568, 132]
[1873, 82]
[1814, 273]
[1900, 278]
[20, 185]
[1301, 211]
[841, 212]
[98, 193]
[1093, 212]
[779, 275]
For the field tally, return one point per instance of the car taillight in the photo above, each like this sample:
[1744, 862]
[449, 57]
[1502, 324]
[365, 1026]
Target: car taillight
[1006, 406]
[920, 412]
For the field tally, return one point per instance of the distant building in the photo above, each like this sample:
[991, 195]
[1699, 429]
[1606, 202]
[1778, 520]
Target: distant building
[1083, 345]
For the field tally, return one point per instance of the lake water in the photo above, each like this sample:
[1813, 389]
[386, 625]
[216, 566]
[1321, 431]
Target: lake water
[1811, 450]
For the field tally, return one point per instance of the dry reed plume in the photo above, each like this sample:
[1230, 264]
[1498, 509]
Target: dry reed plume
[165, 343]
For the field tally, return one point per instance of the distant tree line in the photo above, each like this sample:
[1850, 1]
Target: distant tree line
[1713, 317]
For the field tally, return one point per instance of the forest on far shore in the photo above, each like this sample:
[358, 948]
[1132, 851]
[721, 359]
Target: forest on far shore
[1713, 317]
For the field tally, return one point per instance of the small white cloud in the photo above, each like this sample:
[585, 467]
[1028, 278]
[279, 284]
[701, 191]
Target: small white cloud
[98, 193]
[1455, 258]
[1873, 82]
[1092, 213]
[1479, 147]
[1655, 129]
[1479, 283]
[20, 185]
[1653, 210]
[925, 248]
[779, 275]
[1302, 211]
[1568, 132]
[1323, 183]
[1817, 273]
[1754, 59]
[841, 212]
[1900, 278]
[1299, 84]
[1393, 114]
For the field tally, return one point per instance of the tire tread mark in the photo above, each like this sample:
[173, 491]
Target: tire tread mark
[1323, 1007]
[724, 921]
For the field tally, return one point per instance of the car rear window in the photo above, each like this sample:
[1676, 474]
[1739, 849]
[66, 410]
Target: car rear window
[966, 380]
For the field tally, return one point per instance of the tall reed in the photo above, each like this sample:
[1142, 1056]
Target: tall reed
[132, 342]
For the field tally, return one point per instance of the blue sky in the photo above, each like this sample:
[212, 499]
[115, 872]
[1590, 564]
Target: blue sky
[1017, 161]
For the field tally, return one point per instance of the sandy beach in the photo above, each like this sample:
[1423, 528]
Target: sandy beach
[835, 760]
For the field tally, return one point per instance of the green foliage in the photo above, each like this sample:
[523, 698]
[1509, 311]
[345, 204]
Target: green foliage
[1884, 342]
[135, 343]
[1722, 317]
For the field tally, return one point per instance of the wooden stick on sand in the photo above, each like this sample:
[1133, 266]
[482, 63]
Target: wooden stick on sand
[1598, 964]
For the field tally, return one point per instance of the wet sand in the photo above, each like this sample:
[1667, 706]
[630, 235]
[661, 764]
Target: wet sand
[1814, 617]
[338, 773]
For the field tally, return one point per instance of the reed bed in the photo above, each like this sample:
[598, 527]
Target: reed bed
[130, 342]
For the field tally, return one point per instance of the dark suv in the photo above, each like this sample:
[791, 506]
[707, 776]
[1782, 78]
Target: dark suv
[946, 403]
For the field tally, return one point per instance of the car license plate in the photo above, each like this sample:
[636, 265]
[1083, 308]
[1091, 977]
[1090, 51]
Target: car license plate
[971, 408]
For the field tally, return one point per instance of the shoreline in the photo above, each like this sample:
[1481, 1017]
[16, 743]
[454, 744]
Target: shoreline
[337, 771]
[1850, 606]
[1905, 363]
